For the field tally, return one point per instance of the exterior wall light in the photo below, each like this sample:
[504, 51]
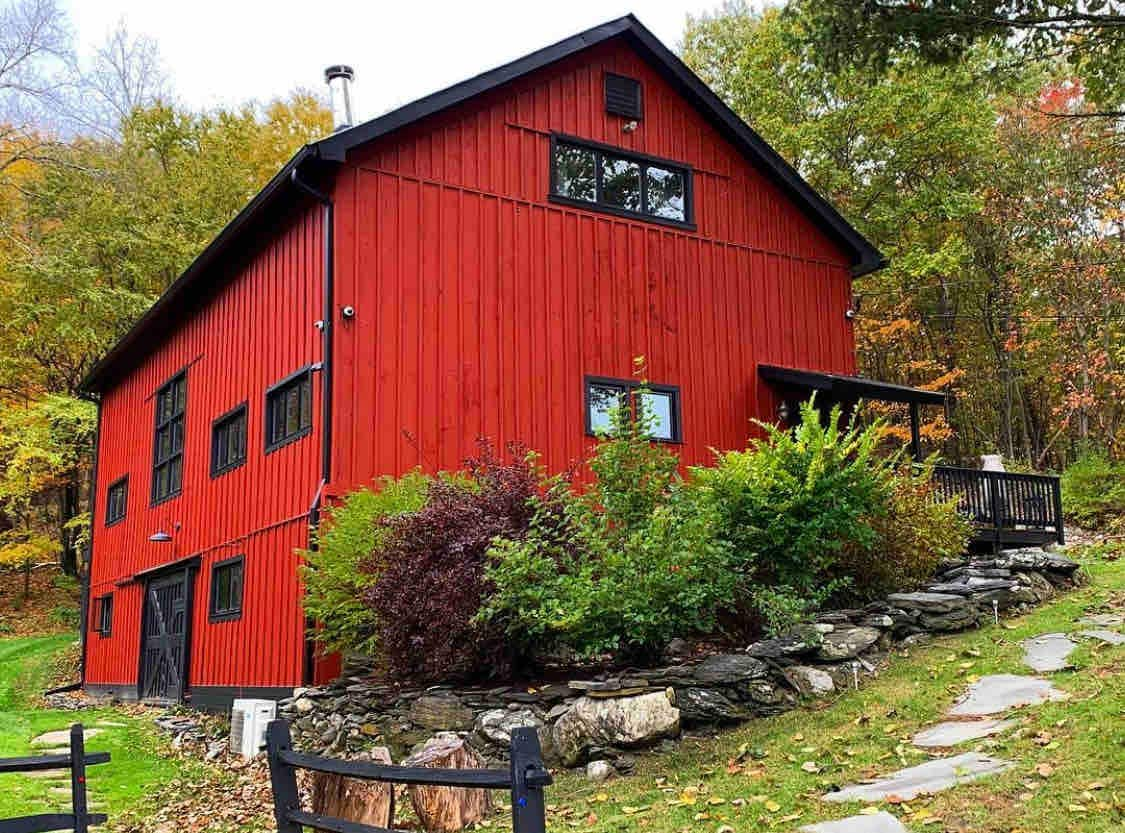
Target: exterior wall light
[160, 537]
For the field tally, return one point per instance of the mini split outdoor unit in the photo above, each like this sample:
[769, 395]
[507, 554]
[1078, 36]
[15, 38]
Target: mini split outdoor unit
[248, 721]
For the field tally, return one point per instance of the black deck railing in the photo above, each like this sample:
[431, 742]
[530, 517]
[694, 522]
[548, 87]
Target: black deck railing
[79, 819]
[525, 778]
[1004, 506]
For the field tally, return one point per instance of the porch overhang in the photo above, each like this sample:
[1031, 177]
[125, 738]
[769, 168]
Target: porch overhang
[841, 388]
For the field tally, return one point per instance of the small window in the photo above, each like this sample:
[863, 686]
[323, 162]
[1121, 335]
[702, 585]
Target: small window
[619, 182]
[660, 402]
[289, 409]
[116, 497]
[226, 589]
[228, 441]
[168, 447]
[103, 615]
[622, 96]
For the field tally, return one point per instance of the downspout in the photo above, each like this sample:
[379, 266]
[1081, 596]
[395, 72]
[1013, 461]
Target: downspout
[326, 385]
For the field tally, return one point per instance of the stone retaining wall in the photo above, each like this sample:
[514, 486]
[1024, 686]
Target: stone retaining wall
[613, 714]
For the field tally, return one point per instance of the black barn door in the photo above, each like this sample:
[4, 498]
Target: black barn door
[164, 637]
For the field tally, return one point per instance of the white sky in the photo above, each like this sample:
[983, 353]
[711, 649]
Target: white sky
[230, 51]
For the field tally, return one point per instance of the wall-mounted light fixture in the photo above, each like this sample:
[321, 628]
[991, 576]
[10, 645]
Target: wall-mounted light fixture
[160, 537]
[783, 412]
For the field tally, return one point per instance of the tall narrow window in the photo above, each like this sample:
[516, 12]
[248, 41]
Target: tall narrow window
[168, 450]
[103, 615]
[116, 498]
[226, 589]
[289, 409]
[228, 441]
[658, 404]
[620, 182]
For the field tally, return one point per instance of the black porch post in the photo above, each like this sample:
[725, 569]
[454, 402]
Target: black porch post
[915, 437]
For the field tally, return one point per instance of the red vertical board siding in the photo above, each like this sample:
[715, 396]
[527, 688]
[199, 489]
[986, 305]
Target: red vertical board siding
[254, 331]
[481, 306]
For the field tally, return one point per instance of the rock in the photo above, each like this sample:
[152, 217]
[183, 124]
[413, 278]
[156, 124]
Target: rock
[700, 706]
[954, 732]
[620, 692]
[214, 749]
[928, 602]
[613, 684]
[930, 777]
[598, 771]
[496, 725]
[1036, 559]
[441, 711]
[628, 722]
[1109, 637]
[1000, 692]
[677, 648]
[304, 705]
[845, 643]
[801, 640]
[1103, 620]
[447, 808]
[1047, 652]
[878, 620]
[812, 682]
[881, 822]
[729, 669]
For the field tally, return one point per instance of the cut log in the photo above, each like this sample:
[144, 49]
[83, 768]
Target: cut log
[369, 802]
[447, 808]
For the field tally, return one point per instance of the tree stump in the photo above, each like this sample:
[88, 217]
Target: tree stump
[369, 802]
[447, 808]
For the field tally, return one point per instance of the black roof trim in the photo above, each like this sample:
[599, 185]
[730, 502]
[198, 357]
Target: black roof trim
[334, 148]
[847, 388]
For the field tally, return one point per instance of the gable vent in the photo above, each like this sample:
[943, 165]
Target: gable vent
[622, 96]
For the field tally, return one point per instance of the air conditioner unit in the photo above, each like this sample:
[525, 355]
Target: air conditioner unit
[248, 721]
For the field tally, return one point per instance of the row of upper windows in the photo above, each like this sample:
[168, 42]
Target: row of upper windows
[288, 417]
[225, 603]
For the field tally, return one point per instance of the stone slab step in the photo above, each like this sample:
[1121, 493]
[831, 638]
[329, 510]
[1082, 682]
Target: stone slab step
[953, 732]
[930, 777]
[1047, 652]
[1103, 620]
[1109, 637]
[881, 822]
[61, 737]
[999, 692]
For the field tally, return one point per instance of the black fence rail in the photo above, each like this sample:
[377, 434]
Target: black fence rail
[79, 820]
[1005, 507]
[526, 778]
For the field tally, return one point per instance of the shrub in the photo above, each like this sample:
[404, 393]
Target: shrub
[429, 570]
[791, 503]
[335, 584]
[1093, 492]
[912, 537]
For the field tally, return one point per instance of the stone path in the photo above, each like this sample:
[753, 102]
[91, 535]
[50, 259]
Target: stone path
[61, 737]
[882, 822]
[999, 692]
[953, 732]
[1048, 652]
[1103, 620]
[1109, 637]
[930, 777]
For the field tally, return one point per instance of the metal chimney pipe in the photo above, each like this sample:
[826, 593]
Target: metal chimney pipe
[339, 78]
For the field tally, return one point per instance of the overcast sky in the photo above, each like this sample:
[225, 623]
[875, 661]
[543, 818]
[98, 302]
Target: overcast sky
[230, 51]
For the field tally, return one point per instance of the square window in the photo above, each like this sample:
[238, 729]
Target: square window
[621, 183]
[116, 498]
[226, 589]
[228, 441]
[168, 445]
[575, 172]
[289, 410]
[664, 190]
[659, 407]
[103, 615]
[601, 399]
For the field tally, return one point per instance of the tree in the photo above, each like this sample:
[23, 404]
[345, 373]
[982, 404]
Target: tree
[1086, 36]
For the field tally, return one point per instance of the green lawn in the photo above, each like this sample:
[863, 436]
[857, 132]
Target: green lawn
[1070, 756]
[135, 769]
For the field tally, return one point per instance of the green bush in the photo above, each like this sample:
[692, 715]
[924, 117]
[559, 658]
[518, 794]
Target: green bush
[912, 537]
[1093, 492]
[790, 504]
[64, 616]
[335, 582]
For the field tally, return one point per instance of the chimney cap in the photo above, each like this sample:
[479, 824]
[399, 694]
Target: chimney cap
[339, 71]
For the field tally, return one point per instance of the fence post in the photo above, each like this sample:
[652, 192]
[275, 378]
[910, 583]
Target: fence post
[78, 778]
[283, 778]
[528, 808]
[997, 509]
[1056, 499]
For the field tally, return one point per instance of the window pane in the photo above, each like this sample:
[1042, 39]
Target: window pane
[175, 468]
[181, 396]
[178, 434]
[621, 183]
[658, 408]
[665, 193]
[575, 172]
[603, 399]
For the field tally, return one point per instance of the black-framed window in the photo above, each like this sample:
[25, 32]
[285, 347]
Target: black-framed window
[660, 402]
[289, 409]
[116, 499]
[228, 440]
[103, 615]
[619, 182]
[168, 448]
[623, 96]
[226, 589]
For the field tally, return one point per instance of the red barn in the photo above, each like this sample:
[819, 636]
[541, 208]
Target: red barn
[486, 261]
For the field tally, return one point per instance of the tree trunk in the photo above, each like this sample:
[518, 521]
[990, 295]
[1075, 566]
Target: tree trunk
[368, 802]
[448, 808]
[68, 508]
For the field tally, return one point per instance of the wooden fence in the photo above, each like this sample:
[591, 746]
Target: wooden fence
[1005, 507]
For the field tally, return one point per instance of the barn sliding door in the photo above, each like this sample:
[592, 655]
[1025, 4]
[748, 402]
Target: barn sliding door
[165, 631]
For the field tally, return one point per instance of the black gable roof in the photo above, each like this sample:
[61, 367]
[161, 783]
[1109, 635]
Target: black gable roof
[334, 149]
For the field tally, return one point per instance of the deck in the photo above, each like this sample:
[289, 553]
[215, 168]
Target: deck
[1005, 508]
